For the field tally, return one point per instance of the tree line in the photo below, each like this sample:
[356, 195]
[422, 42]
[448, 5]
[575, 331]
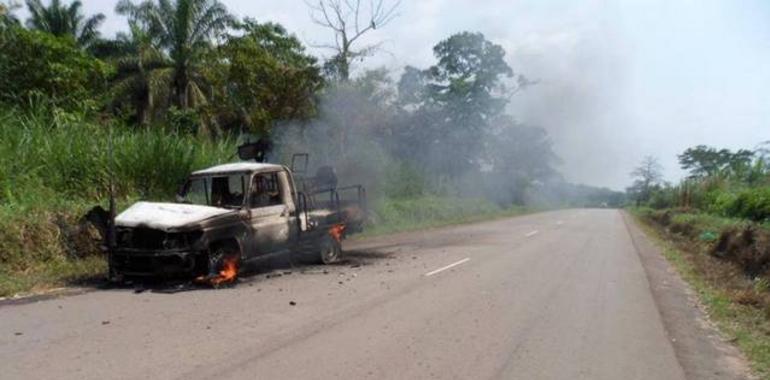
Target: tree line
[720, 181]
[191, 67]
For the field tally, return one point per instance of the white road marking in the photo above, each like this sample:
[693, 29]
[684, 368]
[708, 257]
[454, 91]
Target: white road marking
[533, 233]
[450, 266]
[559, 223]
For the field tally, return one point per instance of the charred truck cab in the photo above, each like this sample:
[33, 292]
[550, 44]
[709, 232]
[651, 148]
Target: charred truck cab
[233, 213]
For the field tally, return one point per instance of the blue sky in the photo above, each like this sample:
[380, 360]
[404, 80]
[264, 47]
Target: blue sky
[620, 79]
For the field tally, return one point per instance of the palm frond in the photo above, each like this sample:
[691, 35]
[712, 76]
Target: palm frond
[89, 31]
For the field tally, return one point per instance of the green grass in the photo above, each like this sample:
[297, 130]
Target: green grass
[748, 326]
[51, 159]
[52, 274]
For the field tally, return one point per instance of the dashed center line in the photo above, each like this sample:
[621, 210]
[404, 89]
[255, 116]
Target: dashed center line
[439, 270]
[533, 233]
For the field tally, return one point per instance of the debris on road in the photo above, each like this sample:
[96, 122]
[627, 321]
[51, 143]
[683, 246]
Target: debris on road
[292, 303]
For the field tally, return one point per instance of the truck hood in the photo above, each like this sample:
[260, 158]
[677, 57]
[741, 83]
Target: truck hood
[164, 216]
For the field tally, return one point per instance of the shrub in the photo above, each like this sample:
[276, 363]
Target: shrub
[719, 202]
[663, 198]
[35, 63]
[752, 204]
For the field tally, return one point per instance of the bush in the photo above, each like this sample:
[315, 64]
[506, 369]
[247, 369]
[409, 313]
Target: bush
[752, 204]
[34, 64]
[663, 198]
[719, 202]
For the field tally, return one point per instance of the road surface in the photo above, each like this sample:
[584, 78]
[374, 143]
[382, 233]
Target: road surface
[558, 295]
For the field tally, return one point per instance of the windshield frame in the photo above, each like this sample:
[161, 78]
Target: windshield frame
[182, 196]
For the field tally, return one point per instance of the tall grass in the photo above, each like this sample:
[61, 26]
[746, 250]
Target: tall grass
[48, 157]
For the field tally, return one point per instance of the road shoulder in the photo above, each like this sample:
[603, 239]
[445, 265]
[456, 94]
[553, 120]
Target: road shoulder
[701, 350]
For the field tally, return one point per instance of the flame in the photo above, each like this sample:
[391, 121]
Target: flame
[336, 231]
[227, 275]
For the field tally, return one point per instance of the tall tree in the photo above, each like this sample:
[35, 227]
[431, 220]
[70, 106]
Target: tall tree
[64, 20]
[143, 72]
[704, 161]
[647, 176]
[7, 17]
[468, 78]
[262, 76]
[41, 66]
[456, 100]
[519, 156]
[350, 20]
[185, 30]
[762, 151]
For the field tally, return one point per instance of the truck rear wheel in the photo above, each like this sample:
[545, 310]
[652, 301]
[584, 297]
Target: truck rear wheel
[331, 250]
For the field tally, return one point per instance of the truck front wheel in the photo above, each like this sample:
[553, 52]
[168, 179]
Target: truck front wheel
[224, 264]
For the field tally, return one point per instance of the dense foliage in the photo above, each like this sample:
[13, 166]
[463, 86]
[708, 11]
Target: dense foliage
[721, 182]
[40, 66]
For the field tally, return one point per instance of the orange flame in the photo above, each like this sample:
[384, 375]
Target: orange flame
[337, 231]
[227, 275]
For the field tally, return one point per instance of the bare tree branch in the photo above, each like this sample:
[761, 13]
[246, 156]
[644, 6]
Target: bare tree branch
[346, 19]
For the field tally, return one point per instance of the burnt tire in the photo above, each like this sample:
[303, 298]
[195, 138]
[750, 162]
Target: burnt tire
[330, 250]
[220, 256]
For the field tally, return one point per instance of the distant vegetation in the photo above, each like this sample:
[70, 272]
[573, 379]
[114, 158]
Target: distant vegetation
[721, 182]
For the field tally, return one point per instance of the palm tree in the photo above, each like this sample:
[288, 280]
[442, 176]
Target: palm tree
[7, 18]
[144, 73]
[184, 29]
[64, 20]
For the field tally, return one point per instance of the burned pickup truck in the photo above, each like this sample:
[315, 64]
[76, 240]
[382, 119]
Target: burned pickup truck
[228, 215]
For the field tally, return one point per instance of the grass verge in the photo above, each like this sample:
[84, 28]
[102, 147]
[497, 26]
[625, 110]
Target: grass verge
[745, 324]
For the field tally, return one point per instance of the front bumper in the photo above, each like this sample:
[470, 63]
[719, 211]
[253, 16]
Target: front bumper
[149, 263]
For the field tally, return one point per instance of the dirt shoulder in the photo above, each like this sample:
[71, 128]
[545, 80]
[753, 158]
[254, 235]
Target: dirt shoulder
[702, 350]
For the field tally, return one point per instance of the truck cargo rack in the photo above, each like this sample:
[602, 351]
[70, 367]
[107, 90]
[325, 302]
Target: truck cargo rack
[342, 202]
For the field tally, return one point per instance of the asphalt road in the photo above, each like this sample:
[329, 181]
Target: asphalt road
[559, 295]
